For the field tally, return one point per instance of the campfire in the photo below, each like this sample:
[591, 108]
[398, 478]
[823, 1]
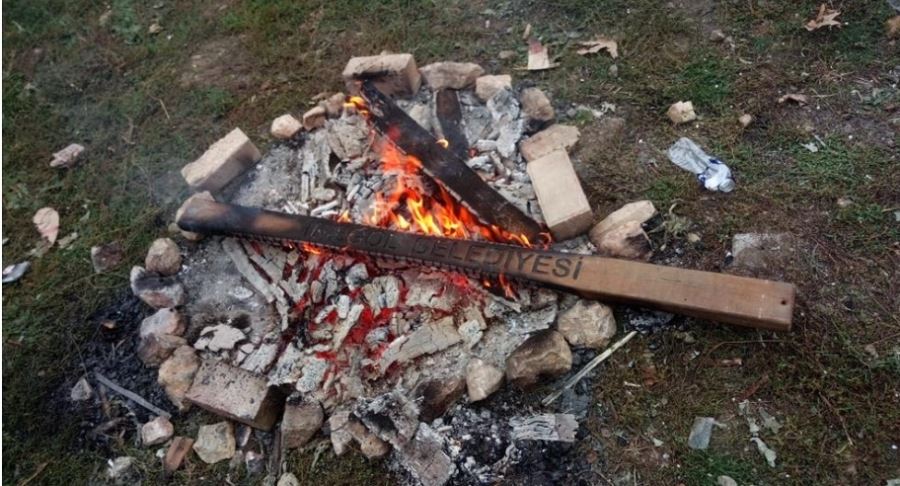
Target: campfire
[396, 262]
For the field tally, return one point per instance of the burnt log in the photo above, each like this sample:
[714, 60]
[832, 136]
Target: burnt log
[445, 167]
[449, 115]
[730, 299]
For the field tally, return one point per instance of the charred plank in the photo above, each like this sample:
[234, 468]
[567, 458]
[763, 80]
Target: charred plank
[449, 115]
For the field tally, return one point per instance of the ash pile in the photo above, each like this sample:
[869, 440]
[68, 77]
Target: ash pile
[429, 368]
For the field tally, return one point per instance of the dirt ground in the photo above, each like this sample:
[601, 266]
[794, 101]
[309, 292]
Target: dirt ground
[145, 104]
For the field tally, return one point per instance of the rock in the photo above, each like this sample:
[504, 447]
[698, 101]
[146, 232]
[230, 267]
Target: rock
[81, 391]
[392, 74]
[488, 85]
[681, 112]
[300, 423]
[224, 160]
[175, 454]
[437, 395]
[285, 127]
[453, 75]
[548, 140]
[219, 337]
[288, 479]
[237, 394]
[154, 349]
[154, 28]
[163, 257]
[346, 428]
[587, 324]
[314, 118]
[177, 373]
[67, 157]
[536, 107]
[725, 481]
[760, 252]
[613, 70]
[563, 202]
[119, 468]
[892, 27]
[745, 120]
[156, 431]
[157, 292]
[701, 432]
[844, 202]
[391, 416]
[164, 321]
[215, 442]
[717, 35]
[544, 354]
[204, 196]
[504, 55]
[482, 379]
[334, 105]
[106, 257]
[430, 337]
[628, 241]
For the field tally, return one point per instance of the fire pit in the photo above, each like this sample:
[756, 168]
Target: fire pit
[385, 287]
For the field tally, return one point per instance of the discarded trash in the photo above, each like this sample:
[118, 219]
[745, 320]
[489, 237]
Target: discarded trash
[701, 432]
[599, 44]
[15, 271]
[796, 98]
[46, 220]
[811, 146]
[763, 449]
[714, 175]
[825, 18]
[681, 112]
[538, 57]
[67, 157]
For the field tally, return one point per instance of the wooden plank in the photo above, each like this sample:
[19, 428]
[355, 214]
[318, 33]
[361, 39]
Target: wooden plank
[446, 168]
[449, 115]
[730, 299]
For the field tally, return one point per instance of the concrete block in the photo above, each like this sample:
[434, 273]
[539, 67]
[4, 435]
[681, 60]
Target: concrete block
[223, 161]
[393, 74]
[563, 203]
[237, 394]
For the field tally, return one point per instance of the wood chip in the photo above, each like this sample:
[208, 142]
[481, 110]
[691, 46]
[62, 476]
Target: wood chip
[599, 44]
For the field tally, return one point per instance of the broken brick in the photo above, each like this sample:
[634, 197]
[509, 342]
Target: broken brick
[237, 394]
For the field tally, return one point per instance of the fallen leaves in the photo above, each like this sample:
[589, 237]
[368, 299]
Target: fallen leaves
[825, 18]
[796, 98]
[599, 44]
[46, 220]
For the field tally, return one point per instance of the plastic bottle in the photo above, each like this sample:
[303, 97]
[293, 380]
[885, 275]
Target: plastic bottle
[711, 172]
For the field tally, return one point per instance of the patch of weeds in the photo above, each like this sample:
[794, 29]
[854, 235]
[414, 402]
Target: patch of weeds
[706, 82]
[703, 468]
[124, 21]
[665, 189]
[214, 101]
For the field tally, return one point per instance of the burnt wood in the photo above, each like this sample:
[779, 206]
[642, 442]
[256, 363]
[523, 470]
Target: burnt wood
[449, 115]
[730, 299]
[446, 168]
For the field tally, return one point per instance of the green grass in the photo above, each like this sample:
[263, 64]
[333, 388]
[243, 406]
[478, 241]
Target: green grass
[118, 90]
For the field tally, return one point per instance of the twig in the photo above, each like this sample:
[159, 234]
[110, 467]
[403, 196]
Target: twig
[163, 105]
[37, 472]
[753, 388]
[588, 367]
[134, 397]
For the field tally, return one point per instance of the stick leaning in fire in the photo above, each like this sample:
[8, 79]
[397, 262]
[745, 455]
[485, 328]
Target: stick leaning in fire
[729, 299]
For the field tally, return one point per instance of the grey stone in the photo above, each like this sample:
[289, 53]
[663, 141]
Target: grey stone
[106, 257]
[588, 324]
[489, 85]
[725, 481]
[119, 468]
[536, 107]
[163, 257]
[163, 321]
[346, 428]
[300, 423]
[425, 459]
[156, 291]
[156, 431]
[81, 391]
[288, 479]
[154, 349]
[543, 355]
[177, 373]
[453, 75]
[215, 442]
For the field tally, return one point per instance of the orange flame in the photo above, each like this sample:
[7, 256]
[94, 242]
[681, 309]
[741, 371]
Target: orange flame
[311, 249]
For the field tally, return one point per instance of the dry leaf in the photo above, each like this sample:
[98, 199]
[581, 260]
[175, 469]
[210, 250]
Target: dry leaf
[538, 58]
[46, 220]
[824, 18]
[796, 98]
[599, 44]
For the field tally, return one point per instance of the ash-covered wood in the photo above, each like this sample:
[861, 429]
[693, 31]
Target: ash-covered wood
[719, 297]
[445, 167]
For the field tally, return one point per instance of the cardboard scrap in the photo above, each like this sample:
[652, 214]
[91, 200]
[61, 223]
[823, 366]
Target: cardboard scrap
[599, 44]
